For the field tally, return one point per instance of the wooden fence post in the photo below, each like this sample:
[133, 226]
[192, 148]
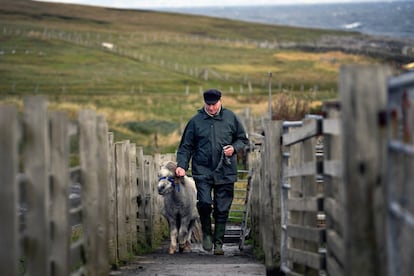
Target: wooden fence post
[59, 213]
[149, 201]
[141, 231]
[112, 201]
[9, 231]
[363, 92]
[88, 152]
[270, 195]
[133, 195]
[127, 196]
[334, 191]
[102, 205]
[120, 151]
[254, 160]
[36, 167]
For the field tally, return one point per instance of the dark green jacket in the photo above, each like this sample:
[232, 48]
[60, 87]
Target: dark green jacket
[203, 140]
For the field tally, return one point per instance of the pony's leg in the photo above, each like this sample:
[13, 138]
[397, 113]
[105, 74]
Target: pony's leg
[184, 236]
[173, 237]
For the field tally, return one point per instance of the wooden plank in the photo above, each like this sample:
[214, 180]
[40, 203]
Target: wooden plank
[88, 152]
[334, 211]
[332, 126]
[9, 193]
[310, 190]
[335, 245]
[364, 169]
[313, 128]
[121, 178]
[270, 194]
[254, 165]
[306, 233]
[313, 260]
[305, 204]
[36, 158]
[59, 213]
[333, 268]
[103, 200]
[332, 168]
[112, 203]
[140, 199]
[149, 201]
[127, 196]
[133, 195]
[305, 169]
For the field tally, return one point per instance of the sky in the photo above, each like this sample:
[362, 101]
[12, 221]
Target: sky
[148, 4]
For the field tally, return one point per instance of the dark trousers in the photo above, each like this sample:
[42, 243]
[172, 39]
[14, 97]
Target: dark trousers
[216, 199]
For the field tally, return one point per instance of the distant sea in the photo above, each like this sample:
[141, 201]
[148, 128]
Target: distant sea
[393, 19]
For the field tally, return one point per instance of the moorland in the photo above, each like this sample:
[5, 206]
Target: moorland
[145, 70]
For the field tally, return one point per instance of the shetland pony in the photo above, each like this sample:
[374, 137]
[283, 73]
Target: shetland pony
[179, 195]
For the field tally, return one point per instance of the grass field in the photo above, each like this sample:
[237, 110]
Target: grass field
[151, 82]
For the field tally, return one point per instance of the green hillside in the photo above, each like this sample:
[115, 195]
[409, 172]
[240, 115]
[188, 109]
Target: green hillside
[150, 82]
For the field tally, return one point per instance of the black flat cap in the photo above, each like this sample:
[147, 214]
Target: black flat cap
[212, 96]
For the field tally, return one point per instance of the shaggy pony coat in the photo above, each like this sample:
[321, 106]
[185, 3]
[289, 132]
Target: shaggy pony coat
[180, 196]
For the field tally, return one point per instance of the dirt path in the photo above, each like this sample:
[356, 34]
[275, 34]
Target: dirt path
[194, 263]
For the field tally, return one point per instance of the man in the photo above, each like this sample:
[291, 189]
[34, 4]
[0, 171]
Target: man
[211, 140]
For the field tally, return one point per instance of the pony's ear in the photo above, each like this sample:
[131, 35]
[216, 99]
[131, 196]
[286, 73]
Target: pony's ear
[171, 166]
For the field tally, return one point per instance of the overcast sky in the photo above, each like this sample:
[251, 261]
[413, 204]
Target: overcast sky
[191, 3]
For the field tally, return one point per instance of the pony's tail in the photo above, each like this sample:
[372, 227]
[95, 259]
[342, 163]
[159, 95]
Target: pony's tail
[196, 232]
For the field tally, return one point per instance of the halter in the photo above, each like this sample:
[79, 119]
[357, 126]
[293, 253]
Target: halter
[172, 181]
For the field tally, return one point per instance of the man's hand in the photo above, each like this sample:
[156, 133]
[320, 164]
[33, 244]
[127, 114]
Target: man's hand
[228, 150]
[179, 172]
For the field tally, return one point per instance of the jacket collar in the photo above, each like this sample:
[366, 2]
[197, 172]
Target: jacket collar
[206, 115]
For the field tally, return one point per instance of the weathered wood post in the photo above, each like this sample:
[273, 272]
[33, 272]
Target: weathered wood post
[112, 203]
[93, 135]
[36, 168]
[9, 231]
[334, 190]
[254, 160]
[103, 200]
[59, 186]
[270, 195]
[121, 186]
[141, 230]
[133, 196]
[149, 201]
[363, 92]
[127, 195]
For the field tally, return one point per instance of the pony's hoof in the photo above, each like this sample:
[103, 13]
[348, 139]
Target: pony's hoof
[171, 251]
[185, 247]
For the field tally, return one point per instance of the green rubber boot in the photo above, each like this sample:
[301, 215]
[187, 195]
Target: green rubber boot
[219, 231]
[207, 238]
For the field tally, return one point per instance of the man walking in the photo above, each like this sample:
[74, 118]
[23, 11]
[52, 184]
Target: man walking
[211, 141]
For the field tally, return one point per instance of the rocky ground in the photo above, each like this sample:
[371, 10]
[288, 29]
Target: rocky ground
[194, 263]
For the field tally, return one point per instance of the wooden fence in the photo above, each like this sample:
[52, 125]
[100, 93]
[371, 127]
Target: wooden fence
[337, 191]
[63, 219]
[328, 196]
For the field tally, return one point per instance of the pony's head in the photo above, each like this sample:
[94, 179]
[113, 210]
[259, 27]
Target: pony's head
[166, 178]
